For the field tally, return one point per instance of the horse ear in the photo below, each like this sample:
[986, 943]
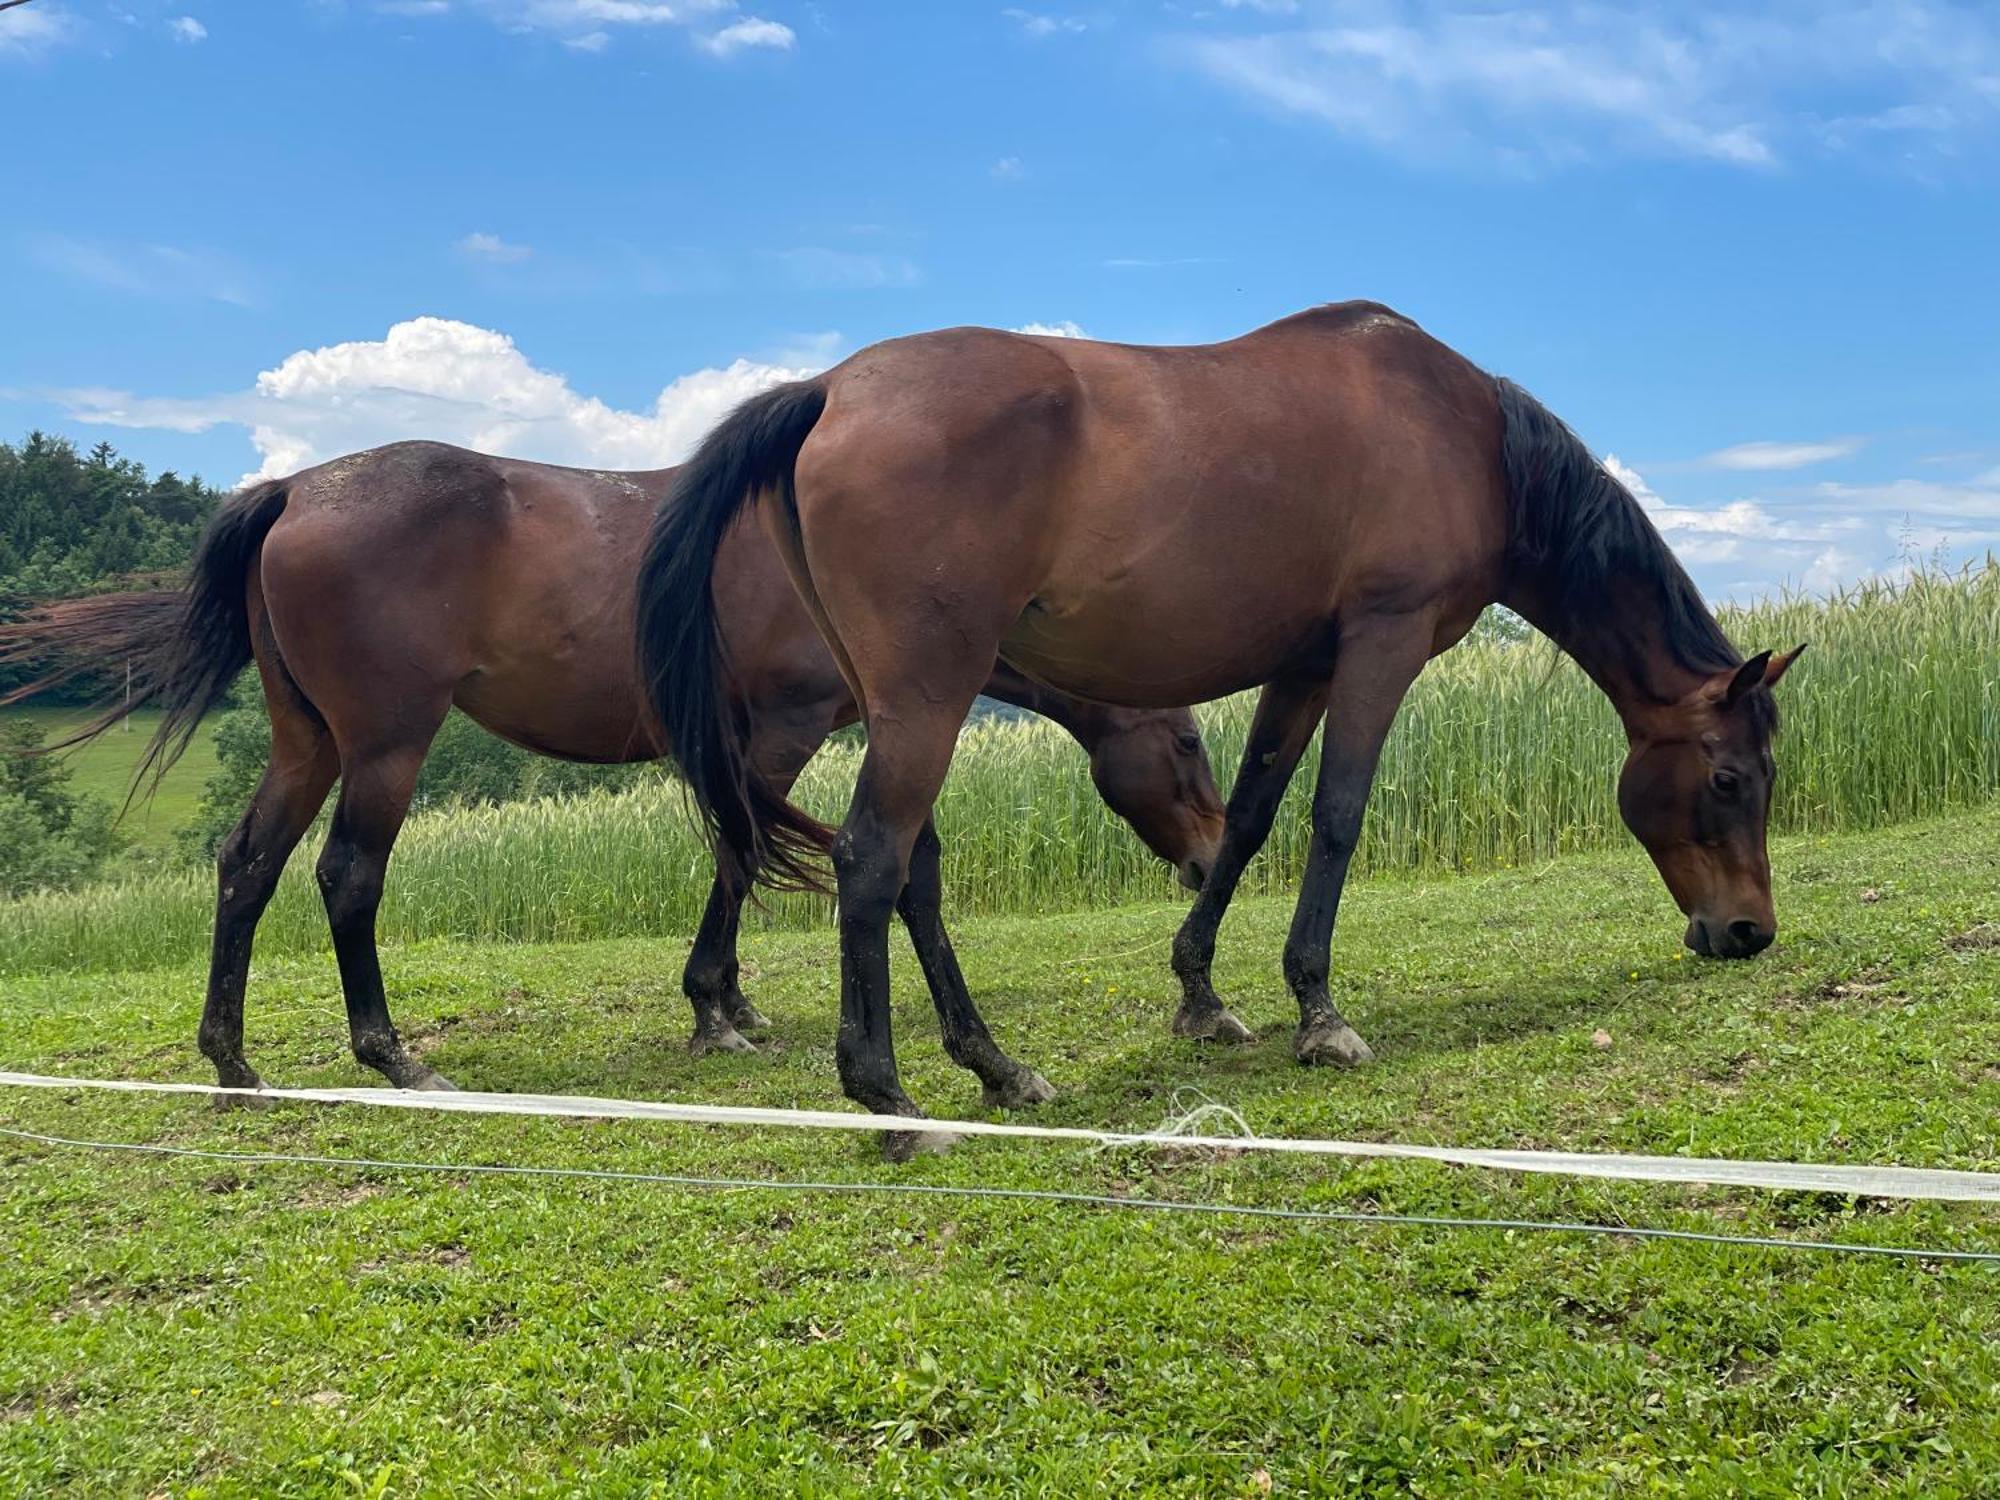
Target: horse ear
[1746, 677]
[1781, 663]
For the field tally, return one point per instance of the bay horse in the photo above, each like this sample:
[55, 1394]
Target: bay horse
[375, 591]
[1315, 508]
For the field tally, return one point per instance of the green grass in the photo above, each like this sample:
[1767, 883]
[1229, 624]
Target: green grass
[199, 1329]
[103, 769]
[1503, 755]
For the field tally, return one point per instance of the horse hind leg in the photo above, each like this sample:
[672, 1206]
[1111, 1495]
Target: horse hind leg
[376, 784]
[297, 776]
[1008, 1084]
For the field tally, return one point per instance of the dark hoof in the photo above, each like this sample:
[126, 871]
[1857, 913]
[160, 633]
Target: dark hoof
[905, 1145]
[1332, 1044]
[718, 1038]
[1021, 1089]
[1216, 1025]
[427, 1082]
[746, 1017]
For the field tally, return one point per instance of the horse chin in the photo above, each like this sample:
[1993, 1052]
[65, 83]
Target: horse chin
[1193, 872]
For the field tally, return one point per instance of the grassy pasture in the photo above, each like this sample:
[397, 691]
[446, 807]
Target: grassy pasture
[1503, 756]
[200, 1329]
[103, 769]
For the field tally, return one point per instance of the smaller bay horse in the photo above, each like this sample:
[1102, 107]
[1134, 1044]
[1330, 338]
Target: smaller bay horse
[376, 591]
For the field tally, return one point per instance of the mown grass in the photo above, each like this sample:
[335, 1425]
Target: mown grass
[103, 769]
[1504, 755]
[202, 1329]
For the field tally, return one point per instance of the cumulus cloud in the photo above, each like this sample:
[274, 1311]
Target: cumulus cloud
[449, 381]
[751, 31]
[187, 29]
[490, 248]
[1574, 80]
[1066, 329]
[1007, 169]
[1765, 456]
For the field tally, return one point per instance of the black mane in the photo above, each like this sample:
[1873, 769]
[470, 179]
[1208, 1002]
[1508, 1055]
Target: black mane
[1582, 534]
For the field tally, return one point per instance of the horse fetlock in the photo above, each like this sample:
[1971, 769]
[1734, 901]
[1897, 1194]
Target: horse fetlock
[742, 1014]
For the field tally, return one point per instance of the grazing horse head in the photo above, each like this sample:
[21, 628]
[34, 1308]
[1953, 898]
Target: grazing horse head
[1152, 770]
[1696, 791]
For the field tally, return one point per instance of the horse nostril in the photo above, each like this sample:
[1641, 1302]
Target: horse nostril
[1193, 873]
[1748, 938]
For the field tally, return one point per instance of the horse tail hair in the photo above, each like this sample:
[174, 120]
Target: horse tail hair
[181, 647]
[753, 829]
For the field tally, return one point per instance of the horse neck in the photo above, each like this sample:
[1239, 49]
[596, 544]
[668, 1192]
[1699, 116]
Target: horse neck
[1625, 650]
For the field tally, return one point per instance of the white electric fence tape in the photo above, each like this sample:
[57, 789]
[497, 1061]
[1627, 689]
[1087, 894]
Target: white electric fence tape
[1919, 1183]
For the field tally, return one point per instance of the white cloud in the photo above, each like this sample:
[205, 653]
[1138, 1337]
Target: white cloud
[1573, 80]
[29, 32]
[449, 381]
[1038, 26]
[751, 31]
[1007, 169]
[187, 29]
[591, 25]
[818, 268]
[490, 248]
[1826, 536]
[1767, 456]
[413, 7]
[169, 271]
[1066, 329]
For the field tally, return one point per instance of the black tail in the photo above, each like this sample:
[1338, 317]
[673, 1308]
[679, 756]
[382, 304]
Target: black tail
[681, 659]
[182, 647]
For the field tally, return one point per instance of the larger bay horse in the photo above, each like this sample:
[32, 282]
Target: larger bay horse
[377, 590]
[1317, 508]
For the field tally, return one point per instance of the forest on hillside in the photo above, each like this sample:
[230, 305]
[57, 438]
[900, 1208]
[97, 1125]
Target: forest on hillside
[77, 523]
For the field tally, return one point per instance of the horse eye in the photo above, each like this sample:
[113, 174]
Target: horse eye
[1725, 783]
[1188, 744]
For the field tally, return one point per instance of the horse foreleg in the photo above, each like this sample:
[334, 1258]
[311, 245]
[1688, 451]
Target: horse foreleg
[1279, 733]
[1375, 669]
[1009, 1084]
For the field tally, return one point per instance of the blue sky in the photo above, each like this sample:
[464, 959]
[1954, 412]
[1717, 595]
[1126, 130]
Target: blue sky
[1747, 250]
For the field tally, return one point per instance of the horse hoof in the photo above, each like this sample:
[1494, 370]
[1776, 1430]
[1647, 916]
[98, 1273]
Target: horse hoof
[432, 1083]
[1216, 1025]
[905, 1145]
[1021, 1090]
[723, 1038]
[747, 1017]
[1332, 1044]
